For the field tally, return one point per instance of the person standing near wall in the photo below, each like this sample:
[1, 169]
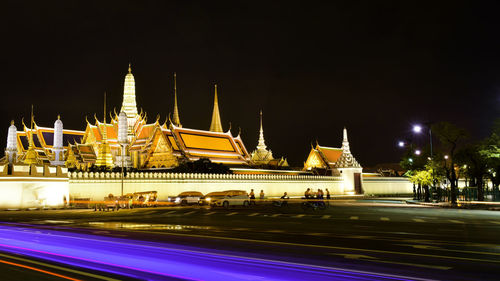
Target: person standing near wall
[261, 196]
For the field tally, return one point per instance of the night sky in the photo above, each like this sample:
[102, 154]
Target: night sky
[376, 67]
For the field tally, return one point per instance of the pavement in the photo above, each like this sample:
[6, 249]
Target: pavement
[387, 238]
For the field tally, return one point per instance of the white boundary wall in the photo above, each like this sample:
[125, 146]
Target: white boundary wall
[33, 192]
[96, 186]
[387, 185]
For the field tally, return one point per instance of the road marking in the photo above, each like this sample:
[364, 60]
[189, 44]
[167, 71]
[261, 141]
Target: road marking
[189, 213]
[384, 219]
[254, 214]
[275, 231]
[375, 259]
[354, 218]
[316, 234]
[275, 215]
[429, 247]
[322, 246]
[418, 220]
[60, 268]
[299, 216]
[326, 217]
[495, 222]
[211, 213]
[455, 221]
[231, 214]
[241, 229]
[168, 213]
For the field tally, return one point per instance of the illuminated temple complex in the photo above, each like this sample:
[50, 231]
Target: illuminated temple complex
[44, 166]
[129, 140]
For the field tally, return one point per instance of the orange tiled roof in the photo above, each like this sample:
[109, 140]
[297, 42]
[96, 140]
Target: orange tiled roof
[332, 154]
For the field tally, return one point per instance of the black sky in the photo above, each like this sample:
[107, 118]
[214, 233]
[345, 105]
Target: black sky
[375, 67]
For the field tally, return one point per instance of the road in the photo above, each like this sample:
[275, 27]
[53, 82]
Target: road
[365, 240]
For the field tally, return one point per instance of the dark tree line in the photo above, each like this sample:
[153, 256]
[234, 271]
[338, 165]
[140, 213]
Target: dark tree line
[455, 156]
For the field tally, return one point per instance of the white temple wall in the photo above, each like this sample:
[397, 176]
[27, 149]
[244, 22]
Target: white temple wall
[96, 188]
[386, 185]
[32, 192]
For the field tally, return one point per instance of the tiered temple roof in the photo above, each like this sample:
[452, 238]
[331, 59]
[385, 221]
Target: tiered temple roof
[330, 158]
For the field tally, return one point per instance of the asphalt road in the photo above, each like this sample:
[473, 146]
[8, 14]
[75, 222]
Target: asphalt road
[346, 241]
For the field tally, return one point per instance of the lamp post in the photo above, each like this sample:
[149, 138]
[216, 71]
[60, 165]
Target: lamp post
[122, 139]
[123, 156]
[418, 129]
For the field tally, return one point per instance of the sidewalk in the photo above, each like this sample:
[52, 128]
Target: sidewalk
[480, 205]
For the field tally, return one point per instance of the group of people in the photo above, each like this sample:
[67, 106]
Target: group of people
[261, 195]
[309, 194]
[252, 195]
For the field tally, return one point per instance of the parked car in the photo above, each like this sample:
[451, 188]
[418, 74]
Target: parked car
[186, 198]
[228, 198]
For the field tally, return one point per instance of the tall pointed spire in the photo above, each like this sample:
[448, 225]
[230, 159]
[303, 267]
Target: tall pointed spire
[129, 105]
[345, 143]
[31, 155]
[261, 155]
[216, 125]
[262, 144]
[346, 159]
[104, 133]
[175, 118]
[11, 149]
[104, 157]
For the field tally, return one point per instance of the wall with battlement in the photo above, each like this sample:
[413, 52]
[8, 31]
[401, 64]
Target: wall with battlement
[98, 185]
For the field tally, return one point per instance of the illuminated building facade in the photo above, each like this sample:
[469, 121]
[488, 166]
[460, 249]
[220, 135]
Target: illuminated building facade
[128, 140]
[336, 162]
[140, 145]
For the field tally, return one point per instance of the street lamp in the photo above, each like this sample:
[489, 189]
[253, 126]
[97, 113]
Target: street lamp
[401, 143]
[122, 140]
[418, 129]
[418, 152]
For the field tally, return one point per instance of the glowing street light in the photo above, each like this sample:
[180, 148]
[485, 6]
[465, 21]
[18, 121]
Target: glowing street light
[418, 152]
[401, 143]
[446, 157]
[418, 129]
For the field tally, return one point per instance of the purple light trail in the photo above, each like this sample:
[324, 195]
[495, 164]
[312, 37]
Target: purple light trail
[161, 261]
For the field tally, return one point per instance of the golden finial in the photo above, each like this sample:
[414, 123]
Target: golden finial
[58, 116]
[104, 107]
[129, 68]
[12, 122]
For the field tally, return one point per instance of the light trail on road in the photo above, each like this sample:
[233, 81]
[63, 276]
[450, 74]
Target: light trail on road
[146, 260]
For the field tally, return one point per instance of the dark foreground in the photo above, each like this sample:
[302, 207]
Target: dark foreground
[360, 240]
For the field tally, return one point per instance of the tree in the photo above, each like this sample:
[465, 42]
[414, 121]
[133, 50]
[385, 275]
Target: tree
[450, 137]
[490, 151]
[471, 157]
[423, 178]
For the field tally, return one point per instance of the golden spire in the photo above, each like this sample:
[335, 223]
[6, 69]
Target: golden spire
[261, 145]
[129, 68]
[216, 125]
[30, 157]
[176, 120]
[104, 157]
[129, 105]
